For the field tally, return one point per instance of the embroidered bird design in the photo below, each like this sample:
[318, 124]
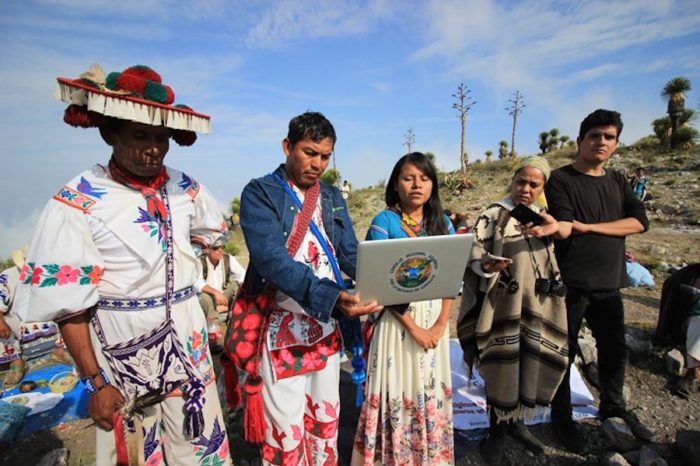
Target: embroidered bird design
[277, 435]
[331, 410]
[314, 332]
[311, 406]
[330, 459]
[212, 443]
[186, 182]
[285, 336]
[86, 188]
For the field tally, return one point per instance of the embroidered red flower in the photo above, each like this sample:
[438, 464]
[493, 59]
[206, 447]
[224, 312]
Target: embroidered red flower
[66, 274]
[95, 275]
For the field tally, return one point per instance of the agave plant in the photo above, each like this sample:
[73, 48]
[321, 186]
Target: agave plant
[674, 92]
[488, 155]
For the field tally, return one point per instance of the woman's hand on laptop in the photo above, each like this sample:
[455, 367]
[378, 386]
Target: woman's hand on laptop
[350, 305]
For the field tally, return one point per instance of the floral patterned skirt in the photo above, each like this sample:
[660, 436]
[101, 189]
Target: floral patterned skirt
[407, 414]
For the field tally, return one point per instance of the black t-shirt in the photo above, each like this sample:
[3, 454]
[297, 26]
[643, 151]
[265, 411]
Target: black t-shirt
[592, 261]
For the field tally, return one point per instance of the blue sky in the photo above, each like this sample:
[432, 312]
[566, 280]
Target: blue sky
[375, 68]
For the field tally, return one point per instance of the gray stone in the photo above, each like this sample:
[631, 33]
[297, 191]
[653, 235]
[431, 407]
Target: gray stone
[613, 459]
[675, 362]
[586, 345]
[688, 445]
[649, 457]
[626, 394]
[57, 457]
[618, 435]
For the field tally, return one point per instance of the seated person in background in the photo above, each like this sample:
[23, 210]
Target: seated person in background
[18, 340]
[639, 184]
[221, 277]
[679, 322]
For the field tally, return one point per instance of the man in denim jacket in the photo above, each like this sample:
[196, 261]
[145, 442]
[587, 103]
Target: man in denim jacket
[301, 359]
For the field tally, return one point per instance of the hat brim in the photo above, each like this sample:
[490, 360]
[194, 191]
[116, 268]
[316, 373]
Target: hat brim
[128, 107]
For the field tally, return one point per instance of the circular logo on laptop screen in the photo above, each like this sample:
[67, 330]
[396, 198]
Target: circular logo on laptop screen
[413, 272]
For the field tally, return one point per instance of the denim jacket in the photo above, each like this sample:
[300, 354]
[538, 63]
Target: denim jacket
[267, 215]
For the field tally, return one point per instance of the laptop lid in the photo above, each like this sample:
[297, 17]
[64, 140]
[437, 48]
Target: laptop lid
[404, 270]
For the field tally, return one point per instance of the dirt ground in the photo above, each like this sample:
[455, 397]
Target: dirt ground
[651, 397]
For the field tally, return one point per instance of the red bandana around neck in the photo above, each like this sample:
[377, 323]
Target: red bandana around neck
[149, 190]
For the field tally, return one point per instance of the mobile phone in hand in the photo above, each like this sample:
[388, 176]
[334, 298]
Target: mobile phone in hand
[525, 215]
[495, 259]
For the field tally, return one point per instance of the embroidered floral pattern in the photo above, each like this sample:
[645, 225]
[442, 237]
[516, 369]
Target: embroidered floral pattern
[212, 450]
[296, 360]
[75, 199]
[59, 275]
[151, 225]
[407, 430]
[197, 347]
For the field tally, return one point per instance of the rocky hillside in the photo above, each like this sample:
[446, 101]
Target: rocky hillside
[673, 206]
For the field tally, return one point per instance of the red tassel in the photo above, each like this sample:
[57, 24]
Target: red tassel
[234, 398]
[254, 420]
[120, 439]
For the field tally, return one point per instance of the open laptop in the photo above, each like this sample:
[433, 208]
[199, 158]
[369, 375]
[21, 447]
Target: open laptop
[404, 270]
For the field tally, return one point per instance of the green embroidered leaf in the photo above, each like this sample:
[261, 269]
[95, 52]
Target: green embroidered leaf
[52, 268]
[153, 233]
[84, 281]
[86, 269]
[50, 281]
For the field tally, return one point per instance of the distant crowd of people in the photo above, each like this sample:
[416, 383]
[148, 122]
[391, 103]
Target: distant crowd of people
[123, 250]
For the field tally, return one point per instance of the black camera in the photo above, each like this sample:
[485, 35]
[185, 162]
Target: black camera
[550, 287]
[505, 280]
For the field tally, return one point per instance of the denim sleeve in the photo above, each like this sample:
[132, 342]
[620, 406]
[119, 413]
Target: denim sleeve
[346, 244]
[263, 229]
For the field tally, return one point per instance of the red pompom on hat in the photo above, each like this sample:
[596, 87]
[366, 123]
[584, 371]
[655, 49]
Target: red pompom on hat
[136, 94]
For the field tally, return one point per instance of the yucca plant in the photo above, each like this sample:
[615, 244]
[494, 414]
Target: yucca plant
[544, 135]
[674, 92]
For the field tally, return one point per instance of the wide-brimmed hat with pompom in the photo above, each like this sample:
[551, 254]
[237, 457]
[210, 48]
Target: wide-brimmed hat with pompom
[136, 94]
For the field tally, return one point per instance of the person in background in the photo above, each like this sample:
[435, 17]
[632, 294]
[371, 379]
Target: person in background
[679, 323]
[406, 417]
[512, 319]
[639, 184]
[345, 190]
[20, 341]
[222, 275]
[112, 263]
[596, 210]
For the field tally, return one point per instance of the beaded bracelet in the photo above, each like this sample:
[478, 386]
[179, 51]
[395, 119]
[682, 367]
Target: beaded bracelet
[90, 385]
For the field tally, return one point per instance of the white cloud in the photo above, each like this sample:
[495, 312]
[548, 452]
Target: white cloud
[294, 21]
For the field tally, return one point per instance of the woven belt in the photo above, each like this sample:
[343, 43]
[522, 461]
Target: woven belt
[139, 304]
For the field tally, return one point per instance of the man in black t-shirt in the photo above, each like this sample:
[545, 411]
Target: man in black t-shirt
[596, 210]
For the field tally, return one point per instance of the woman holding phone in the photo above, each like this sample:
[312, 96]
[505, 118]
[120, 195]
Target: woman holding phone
[406, 417]
[512, 319]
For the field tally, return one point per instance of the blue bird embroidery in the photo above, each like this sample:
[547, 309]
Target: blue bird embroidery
[212, 443]
[86, 188]
[185, 183]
